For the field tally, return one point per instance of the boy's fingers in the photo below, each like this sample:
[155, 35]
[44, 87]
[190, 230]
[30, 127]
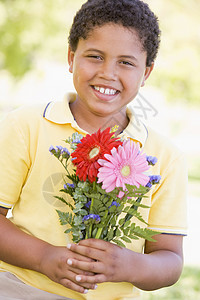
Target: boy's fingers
[99, 278]
[95, 243]
[92, 243]
[79, 256]
[88, 251]
[74, 269]
[89, 267]
[73, 284]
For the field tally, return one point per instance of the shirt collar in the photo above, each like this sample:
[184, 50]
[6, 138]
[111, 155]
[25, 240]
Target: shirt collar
[60, 113]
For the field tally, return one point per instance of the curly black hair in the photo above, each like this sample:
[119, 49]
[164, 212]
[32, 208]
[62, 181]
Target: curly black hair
[133, 14]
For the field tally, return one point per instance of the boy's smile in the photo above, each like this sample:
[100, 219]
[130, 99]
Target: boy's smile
[108, 69]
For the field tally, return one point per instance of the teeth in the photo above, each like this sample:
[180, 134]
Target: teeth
[105, 91]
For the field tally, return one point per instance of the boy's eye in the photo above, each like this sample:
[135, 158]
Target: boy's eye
[127, 63]
[98, 57]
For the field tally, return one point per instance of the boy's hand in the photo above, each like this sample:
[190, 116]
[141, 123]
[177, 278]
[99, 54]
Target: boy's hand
[54, 265]
[159, 266]
[44, 257]
[109, 261]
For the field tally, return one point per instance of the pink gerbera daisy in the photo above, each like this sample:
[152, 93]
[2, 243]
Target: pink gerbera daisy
[125, 165]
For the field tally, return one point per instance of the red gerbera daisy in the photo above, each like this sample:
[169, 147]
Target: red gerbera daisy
[92, 148]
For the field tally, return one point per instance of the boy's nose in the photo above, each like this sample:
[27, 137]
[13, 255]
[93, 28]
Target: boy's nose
[108, 71]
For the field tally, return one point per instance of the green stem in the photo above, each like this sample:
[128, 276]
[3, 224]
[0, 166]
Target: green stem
[98, 234]
[99, 231]
[91, 206]
[65, 166]
[92, 200]
[90, 231]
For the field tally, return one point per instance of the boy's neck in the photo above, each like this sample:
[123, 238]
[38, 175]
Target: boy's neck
[91, 123]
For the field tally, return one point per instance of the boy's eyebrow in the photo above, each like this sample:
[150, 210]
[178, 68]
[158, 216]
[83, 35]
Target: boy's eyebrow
[128, 56]
[121, 56]
[95, 50]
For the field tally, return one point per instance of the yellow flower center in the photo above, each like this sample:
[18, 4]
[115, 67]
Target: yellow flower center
[125, 171]
[94, 152]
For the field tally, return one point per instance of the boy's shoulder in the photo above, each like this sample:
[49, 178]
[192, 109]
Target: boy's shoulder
[26, 115]
[28, 112]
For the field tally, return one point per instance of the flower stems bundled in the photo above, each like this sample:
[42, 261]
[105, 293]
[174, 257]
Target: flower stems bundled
[98, 211]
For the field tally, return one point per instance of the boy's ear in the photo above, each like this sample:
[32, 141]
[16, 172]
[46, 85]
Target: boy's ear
[147, 73]
[70, 59]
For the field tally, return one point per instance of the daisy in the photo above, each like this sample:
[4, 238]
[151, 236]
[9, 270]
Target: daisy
[90, 150]
[125, 165]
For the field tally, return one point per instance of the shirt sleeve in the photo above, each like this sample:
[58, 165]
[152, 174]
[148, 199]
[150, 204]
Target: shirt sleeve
[168, 209]
[14, 160]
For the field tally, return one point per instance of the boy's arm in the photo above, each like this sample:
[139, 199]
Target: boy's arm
[158, 267]
[23, 250]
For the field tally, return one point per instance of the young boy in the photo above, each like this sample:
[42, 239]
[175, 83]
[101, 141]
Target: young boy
[112, 48]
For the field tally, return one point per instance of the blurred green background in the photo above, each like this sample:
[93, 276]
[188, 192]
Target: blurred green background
[33, 68]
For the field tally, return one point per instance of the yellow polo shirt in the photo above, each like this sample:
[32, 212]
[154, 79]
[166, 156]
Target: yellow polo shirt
[30, 177]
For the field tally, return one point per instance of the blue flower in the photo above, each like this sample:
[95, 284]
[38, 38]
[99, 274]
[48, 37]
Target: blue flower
[59, 148]
[149, 185]
[152, 160]
[60, 151]
[65, 150]
[153, 179]
[114, 203]
[71, 185]
[76, 141]
[51, 149]
[56, 152]
[91, 218]
[88, 204]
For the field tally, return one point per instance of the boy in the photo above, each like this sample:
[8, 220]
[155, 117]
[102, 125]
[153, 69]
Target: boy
[112, 48]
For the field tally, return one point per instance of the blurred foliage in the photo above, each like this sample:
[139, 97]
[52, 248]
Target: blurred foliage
[194, 167]
[187, 288]
[32, 29]
[178, 63]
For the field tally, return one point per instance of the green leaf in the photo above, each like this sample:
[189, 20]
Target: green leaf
[77, 220]
[119, 243]
[127, 223]
[82, 227]
[126, 209]
[144, 233]
[79, 205]
[94, 232]
[118, 232]
[64, 201]
[126, 239]
[68, 230]
[126, 231]
[65, 217]
[105, 232]
[83, 212]
[101, 214]
[112, 209]
[133, 237]
[134, 213]
[121, 221]
[94, 196]
[113, 220]
[110, 234]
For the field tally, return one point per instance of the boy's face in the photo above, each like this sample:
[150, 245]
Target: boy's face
[108, 69]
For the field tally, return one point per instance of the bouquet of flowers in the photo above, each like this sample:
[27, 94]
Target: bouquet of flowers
[107, 185]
